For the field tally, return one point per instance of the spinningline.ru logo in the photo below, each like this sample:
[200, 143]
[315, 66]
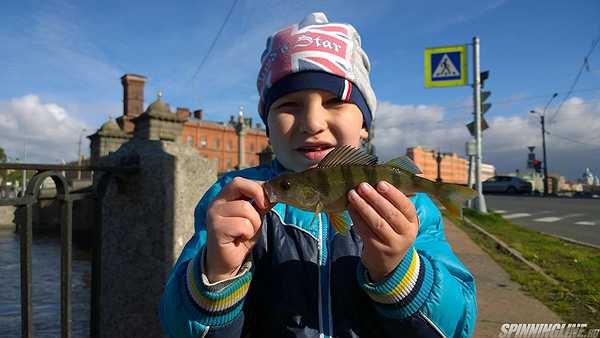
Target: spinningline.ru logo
[556, 330]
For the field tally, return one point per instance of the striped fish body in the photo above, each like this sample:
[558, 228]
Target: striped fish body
[325, 187]
[333, 184]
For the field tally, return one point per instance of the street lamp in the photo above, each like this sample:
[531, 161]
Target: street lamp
[83, 130]
[438, 159]
[542, 115]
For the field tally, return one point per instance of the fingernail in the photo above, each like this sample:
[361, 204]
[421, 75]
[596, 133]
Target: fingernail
[382, 186]
[353, 195]
[364, 187]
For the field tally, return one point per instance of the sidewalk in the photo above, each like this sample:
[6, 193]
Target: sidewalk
[499, 299]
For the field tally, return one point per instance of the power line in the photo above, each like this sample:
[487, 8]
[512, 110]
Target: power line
[212, 45]
[583, 66]
[512, 100]
[572, 140]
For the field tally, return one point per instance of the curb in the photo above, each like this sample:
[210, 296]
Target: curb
[574, 241]
[512, 251]
[515, 253]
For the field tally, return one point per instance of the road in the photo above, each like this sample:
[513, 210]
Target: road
[578, 219]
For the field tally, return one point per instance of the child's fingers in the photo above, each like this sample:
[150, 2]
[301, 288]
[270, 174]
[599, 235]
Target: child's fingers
[367, 236]
[399, 200]
[241, 188]
[380, 228]
[234, 229]
[384, 208]
[240, 208]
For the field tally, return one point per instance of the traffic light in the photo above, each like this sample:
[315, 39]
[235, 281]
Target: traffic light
[537, 165]
[484, 95]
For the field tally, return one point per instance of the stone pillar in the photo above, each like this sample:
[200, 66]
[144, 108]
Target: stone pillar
[147, 218]
[108, 138]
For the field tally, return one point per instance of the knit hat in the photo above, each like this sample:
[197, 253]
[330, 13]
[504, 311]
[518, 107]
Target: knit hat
[316, 54]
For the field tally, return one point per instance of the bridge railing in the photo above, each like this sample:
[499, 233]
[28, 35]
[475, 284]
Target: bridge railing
[66, 199]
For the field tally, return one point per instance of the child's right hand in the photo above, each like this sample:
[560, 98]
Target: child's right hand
[233, 225]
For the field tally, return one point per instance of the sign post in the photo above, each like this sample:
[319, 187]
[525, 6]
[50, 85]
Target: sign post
[447, 66]
[480, 201]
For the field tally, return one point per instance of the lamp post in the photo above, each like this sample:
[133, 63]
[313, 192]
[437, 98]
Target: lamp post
[545, 159]
[438, 158]
[83, 130]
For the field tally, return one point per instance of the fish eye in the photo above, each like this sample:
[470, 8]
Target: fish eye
[285, 184]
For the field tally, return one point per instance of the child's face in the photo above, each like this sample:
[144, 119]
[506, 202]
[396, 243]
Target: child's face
[305, 125]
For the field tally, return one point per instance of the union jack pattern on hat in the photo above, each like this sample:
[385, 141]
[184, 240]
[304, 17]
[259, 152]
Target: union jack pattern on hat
[316, 54]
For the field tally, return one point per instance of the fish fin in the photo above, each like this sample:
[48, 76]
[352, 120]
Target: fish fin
[404, 163]
[453, 197]
[339, 223]
[346, 155]
[317, 210]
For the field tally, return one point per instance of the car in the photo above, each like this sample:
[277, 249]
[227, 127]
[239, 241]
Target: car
[507, 184]
[586, 194]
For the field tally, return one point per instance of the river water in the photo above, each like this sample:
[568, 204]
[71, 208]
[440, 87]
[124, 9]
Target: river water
[45, 286]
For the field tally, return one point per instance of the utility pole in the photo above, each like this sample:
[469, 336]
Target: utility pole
[545, 159]
[481, 206]
[471, 150]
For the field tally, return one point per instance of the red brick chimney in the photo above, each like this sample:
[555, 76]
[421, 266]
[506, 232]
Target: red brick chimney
[133, 100]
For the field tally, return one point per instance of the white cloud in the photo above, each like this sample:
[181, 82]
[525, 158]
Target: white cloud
[505, 142]
[38, 131]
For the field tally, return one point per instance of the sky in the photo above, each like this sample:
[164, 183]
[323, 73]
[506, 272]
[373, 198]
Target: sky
[61, 63]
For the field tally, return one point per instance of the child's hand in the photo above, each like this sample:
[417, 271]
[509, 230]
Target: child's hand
[387, 223]
[233, 223]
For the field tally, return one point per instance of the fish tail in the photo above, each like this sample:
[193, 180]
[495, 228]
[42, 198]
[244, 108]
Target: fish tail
[453, 197]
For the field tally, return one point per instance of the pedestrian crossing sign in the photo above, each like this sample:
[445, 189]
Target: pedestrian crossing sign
[446, 66]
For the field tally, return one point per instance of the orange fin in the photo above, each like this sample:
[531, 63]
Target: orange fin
[339, 223]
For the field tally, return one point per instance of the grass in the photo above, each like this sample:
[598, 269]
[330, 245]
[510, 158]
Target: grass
[576, 267]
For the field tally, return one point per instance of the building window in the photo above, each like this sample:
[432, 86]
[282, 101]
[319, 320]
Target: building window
[228, 145]
[252, 147]
[217, 144]
[190, 140]
[203, 141]
[228, 164]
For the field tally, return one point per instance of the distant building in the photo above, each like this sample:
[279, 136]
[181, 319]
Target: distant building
[235, 144]
[453, 168]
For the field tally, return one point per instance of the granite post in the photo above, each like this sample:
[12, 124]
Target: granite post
[147, 218]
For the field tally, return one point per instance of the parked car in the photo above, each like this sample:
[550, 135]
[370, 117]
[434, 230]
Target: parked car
[586, 194]
[507, 184]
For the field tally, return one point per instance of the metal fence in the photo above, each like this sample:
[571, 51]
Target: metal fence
[66, 198]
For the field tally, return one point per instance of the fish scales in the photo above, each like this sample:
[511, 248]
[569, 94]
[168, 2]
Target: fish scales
[325, 187]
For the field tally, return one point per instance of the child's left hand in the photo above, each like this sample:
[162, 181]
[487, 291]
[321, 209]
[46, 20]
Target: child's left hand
[387, 223]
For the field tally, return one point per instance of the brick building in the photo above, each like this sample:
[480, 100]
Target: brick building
[453, 168]
[221, 141]
[216, 140]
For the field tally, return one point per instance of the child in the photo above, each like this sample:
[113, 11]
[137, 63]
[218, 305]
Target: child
[255, 271]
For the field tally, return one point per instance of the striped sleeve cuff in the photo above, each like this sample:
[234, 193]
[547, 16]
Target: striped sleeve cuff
[402, 293]
[217, 303]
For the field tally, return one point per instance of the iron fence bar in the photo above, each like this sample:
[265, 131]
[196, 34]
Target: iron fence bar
[26, 306]
[13, 202]
[59, 167]
[66, 266]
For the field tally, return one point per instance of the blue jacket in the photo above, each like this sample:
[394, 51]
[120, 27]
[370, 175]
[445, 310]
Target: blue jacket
[306, 281]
